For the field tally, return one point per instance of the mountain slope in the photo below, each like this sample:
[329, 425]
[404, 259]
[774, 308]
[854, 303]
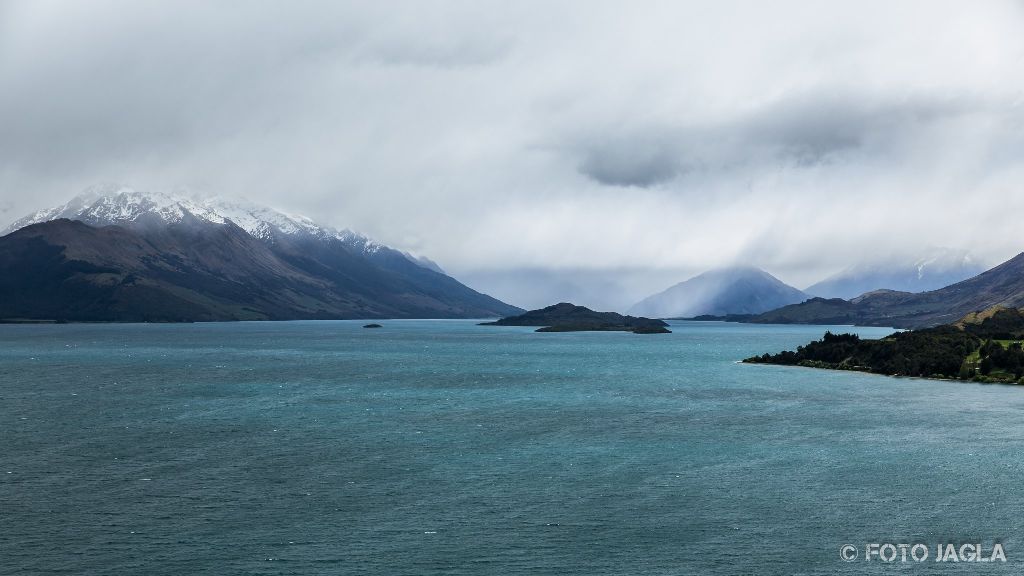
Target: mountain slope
[740, 290]
[130, 256]
[1000, 286]
[937, 268]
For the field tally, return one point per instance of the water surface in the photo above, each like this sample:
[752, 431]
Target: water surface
[442, 447]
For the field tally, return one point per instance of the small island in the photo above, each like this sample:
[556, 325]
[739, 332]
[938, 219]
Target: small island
[566, 317]
[372, 326]
[981, 347]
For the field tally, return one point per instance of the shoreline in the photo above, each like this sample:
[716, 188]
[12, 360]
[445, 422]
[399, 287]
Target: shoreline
[883, 375]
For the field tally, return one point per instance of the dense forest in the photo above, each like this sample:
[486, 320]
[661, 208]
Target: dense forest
[984, 346]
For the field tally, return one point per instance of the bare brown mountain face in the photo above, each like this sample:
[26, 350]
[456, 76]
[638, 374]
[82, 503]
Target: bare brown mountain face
[194, 270]
[1000, 286]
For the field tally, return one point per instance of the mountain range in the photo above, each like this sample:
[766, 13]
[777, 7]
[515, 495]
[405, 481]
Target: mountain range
[936, 268]
[118, 254]
[1000, 286]
[721, 292]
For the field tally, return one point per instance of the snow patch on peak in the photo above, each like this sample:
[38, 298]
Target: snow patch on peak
[358, 242]
[116, 204]
[263, 222]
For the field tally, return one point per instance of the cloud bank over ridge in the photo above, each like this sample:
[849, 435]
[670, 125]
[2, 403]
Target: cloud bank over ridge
[587, 139]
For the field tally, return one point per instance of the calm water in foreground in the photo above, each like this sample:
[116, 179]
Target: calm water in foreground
[442, 447]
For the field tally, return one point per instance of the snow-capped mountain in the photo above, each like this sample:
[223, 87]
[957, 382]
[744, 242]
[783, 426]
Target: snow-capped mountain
[111, 204]
[936, 268]
[108, 204]
[114, 204]
[116, 253]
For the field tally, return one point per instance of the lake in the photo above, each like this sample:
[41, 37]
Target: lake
[443, 447]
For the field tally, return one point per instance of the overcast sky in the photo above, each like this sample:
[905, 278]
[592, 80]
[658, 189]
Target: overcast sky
[621, 145]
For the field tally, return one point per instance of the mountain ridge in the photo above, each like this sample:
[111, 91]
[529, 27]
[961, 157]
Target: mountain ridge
[1002, 285]
[936, 268]
[133, 256]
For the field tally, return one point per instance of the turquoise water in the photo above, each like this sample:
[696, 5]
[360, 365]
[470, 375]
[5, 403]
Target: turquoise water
[442, 447]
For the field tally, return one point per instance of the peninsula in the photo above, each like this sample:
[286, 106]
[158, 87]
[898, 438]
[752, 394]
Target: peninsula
[981, 347]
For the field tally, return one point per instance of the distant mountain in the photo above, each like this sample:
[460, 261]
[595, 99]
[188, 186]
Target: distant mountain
[727, 291]
[117, 254]
[566, 317]
[1000, 286]
[937, 268]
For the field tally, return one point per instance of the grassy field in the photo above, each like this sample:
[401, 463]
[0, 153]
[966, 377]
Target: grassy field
[973, 361]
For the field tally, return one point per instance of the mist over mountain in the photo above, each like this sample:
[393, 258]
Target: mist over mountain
[936, 268]
[736, 290]
[1000, 286]
[598, 289]
[118, 254]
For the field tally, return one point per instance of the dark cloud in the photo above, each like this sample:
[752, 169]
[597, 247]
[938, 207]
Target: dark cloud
[796, 130]
[810, 128]
[642, 161]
